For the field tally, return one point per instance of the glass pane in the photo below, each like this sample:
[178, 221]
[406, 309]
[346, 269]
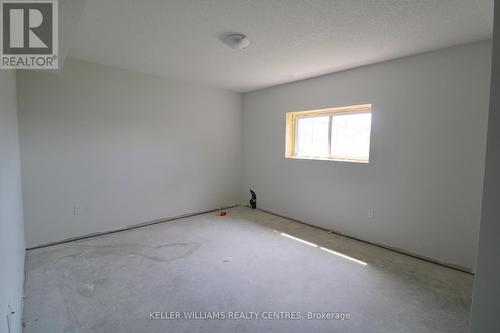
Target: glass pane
[351, 136]
[312, 136]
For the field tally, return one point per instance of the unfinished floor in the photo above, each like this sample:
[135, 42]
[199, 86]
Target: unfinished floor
[238, 262]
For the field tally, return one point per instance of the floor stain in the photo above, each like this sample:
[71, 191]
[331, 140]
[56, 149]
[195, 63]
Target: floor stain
[156, 253]
[88, 289]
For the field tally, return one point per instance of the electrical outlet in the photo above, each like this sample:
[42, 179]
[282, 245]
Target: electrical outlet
[77, 210]
[371, 213]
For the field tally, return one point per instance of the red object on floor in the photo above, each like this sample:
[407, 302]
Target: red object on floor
[222, 213]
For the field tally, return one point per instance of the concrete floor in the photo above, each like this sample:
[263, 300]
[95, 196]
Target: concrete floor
[240, 262]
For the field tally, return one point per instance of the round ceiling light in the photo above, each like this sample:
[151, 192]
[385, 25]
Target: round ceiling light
[235, 41]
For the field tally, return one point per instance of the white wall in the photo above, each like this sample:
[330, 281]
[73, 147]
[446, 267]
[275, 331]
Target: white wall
[424, 180]
[11, 211]
[486, 300]
[125, 147]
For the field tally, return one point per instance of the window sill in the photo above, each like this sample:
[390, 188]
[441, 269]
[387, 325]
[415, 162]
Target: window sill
[328, 159]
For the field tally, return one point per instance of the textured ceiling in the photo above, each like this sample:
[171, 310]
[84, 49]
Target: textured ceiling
[69, 14]
[290, 39]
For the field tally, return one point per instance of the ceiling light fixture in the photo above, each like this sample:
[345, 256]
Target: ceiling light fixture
[235, 41]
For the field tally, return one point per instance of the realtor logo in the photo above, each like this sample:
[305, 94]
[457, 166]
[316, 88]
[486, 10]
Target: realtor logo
[29, 34]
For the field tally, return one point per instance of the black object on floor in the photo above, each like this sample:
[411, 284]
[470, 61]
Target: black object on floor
[253, 201]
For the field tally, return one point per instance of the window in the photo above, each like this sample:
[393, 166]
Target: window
[335, 134]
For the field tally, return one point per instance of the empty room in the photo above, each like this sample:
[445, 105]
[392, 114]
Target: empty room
[249, 166]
